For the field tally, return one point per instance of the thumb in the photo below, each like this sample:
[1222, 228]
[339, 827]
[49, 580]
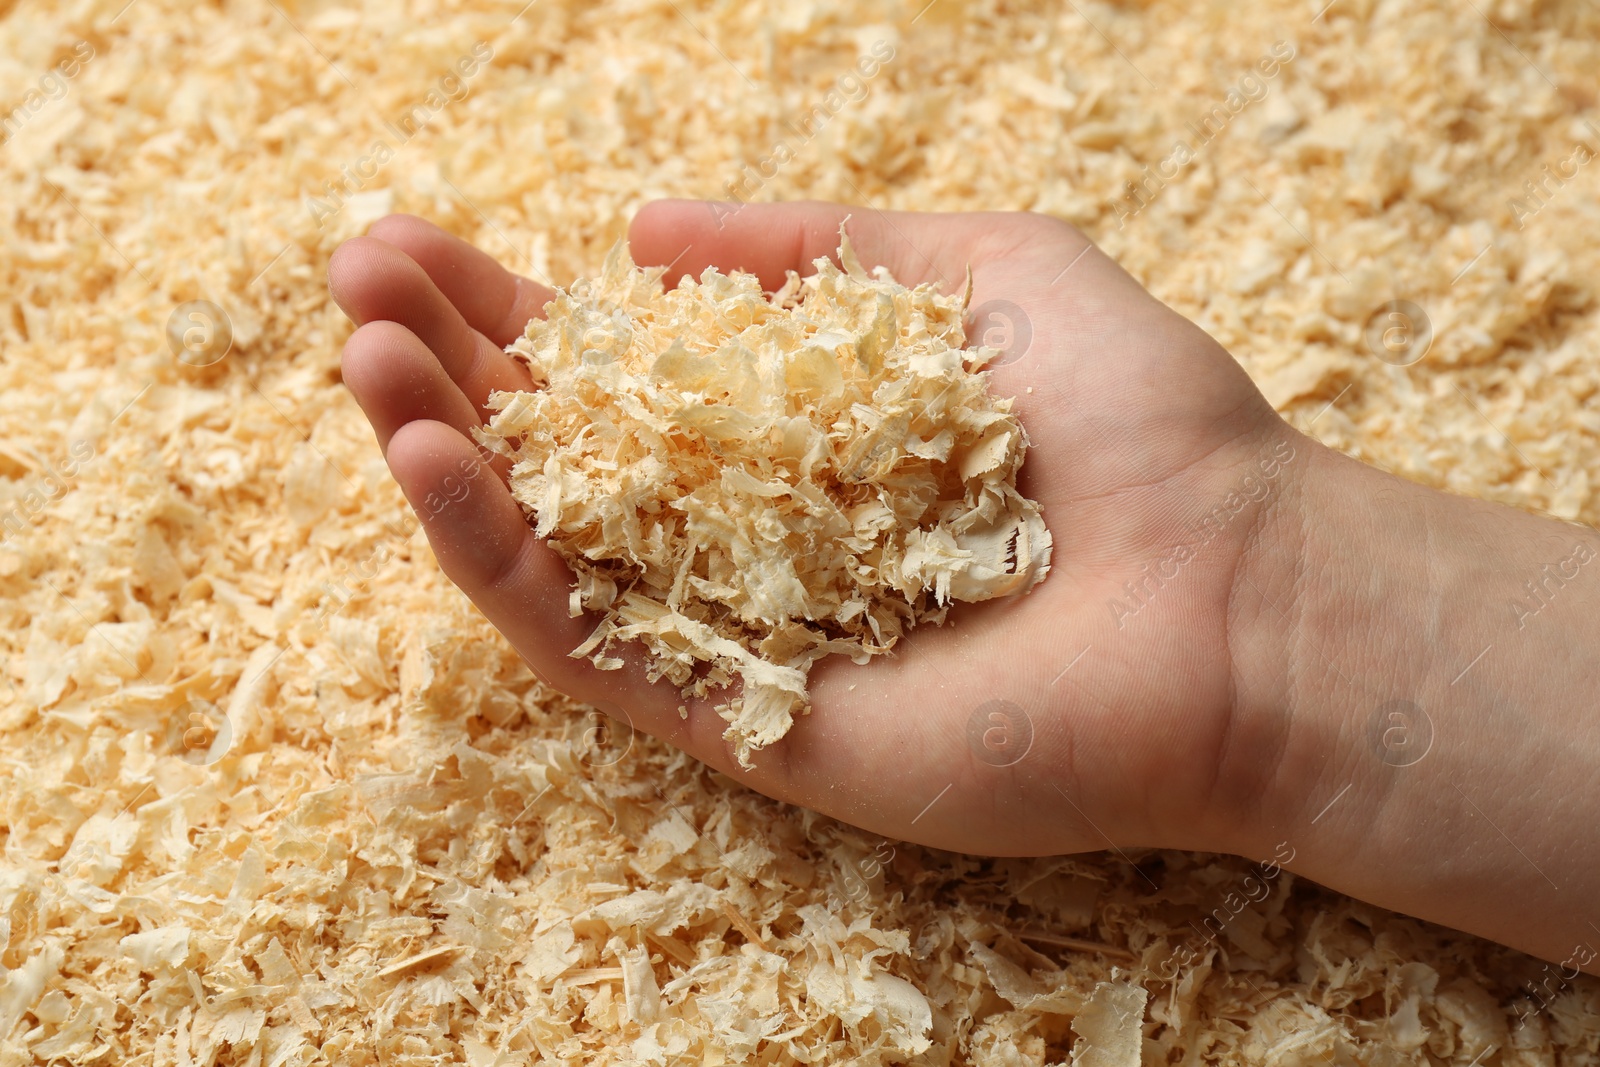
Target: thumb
[768, 239]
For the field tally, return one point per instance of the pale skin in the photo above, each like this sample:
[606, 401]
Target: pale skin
[1303, 682]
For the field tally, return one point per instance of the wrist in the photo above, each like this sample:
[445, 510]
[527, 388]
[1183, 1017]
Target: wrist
[1418, 698]
[1270, 583]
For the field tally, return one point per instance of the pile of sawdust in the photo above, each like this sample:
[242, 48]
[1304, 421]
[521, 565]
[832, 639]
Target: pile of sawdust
[747, 483]
[273, 793]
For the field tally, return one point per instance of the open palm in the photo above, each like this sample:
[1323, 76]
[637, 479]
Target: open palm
[1098, 709]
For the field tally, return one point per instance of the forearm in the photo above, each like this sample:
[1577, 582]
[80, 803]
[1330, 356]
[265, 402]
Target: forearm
[1435, 663]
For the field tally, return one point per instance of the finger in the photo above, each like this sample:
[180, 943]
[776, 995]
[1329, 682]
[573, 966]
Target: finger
[485, 546]
[769, 239]
[396, 380]
[494, 301]
[375, 281]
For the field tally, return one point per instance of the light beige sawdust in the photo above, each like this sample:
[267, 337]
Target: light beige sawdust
[412, 852]
[746, 484]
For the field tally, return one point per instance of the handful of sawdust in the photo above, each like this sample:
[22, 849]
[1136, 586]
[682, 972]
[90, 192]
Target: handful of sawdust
[746, 484]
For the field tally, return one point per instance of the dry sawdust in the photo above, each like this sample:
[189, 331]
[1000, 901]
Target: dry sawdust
[408, 850]
[746, 484]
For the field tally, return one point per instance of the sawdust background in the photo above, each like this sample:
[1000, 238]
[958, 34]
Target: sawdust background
[404, 810]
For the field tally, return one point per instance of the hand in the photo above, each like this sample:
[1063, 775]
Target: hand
[1234, 615]
[1121, 721]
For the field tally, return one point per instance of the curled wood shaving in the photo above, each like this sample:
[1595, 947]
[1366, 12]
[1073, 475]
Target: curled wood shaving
[1110, 1027]
[746, 483]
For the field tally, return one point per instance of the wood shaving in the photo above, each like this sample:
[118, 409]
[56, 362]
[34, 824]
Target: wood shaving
[747, 484]
[398, 784]
[1111, 1026]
